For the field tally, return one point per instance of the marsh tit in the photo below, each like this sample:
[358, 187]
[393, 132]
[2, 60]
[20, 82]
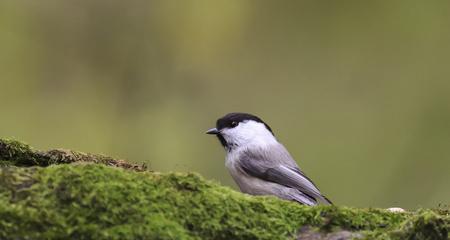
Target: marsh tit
[259, 164]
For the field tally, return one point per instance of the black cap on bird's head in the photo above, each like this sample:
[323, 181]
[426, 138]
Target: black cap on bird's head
[232, 120]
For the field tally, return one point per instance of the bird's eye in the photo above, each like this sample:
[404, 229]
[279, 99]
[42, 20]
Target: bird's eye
[234, 124]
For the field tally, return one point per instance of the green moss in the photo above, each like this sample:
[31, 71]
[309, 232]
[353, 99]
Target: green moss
[424, 225]
[15, 153]
[96, 201]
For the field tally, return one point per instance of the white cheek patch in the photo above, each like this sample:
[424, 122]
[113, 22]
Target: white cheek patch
[248, 132]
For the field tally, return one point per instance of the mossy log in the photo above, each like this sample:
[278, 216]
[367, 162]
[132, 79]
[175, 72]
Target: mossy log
[61, 194]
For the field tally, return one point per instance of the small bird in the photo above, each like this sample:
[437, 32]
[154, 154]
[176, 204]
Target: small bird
[259, 164]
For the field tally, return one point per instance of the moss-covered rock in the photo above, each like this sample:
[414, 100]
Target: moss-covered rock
[97, 201]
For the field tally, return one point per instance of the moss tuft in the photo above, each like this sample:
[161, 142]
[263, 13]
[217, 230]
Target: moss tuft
[424, 225]
[15, 153]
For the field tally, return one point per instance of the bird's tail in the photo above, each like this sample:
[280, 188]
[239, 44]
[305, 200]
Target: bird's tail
[326, 200]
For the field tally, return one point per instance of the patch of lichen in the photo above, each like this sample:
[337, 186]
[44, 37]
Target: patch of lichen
[15, 153]
[91, 201]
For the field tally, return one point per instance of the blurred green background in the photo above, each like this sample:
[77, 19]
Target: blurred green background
[358, 91]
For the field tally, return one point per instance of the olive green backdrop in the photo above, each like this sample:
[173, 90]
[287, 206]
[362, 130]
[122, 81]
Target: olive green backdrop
[358, 91]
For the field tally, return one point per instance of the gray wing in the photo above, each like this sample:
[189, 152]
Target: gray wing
[276, 165]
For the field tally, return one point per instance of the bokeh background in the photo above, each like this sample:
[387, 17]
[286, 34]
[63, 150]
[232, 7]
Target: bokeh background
[358, 91]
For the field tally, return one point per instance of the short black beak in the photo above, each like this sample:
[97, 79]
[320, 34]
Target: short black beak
[212, 131]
